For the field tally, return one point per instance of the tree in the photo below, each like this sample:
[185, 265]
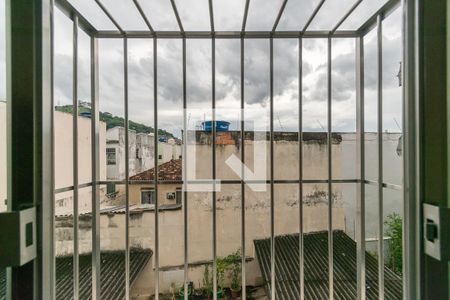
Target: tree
[394, 232]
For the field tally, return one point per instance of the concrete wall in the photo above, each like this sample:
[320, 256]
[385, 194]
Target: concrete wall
[286, 162]
[163, 189]
[166, 152]
[171, 224]
[64, 161]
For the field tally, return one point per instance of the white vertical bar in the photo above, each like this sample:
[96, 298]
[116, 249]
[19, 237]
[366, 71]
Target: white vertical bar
[380, 159]
[243, 250]
[360, 203]
[95, 147]
[214, 196]
[411, 89]
[330, 186]
[76, 277]
[300, 168]
[127, 171]
[185, 193]
[48, 271]
[272, 194]
[155, 115]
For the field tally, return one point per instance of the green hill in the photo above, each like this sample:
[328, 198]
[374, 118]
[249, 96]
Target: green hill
[114, 121]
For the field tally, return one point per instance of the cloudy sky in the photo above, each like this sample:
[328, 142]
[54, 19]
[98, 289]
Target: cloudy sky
[228, 16]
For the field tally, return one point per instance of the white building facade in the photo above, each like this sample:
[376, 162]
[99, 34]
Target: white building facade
[141, 152]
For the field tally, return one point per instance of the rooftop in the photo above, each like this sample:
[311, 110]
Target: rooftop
[316, 268]
[112, 266]
[170, 170]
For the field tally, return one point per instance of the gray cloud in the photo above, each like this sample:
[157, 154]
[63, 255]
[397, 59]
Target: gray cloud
[343, 79]
[227, 75]
[343, 71]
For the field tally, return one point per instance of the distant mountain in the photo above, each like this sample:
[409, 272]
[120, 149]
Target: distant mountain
[114, 121]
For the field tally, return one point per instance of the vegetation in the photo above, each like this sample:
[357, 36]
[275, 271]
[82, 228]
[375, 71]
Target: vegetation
[394, 232]
[207, 281]
[114, 121]
[228, 266]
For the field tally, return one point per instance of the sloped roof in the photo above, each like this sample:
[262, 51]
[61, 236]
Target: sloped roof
[170, 170]
[316, 268]
[112, 269]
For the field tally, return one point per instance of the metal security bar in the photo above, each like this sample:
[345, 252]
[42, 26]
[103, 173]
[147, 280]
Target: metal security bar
[80, 22]
[76, 265]
[360, 203]
[380, 160]
[127, 171]
[95, 156]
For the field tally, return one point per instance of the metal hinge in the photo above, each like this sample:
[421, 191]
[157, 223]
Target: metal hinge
[436, 231]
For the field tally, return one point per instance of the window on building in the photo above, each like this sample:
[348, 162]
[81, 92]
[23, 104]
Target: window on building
[178, 195]
[110, 187]
[159, 156]
[111, 156]
[147, 196]
[137, 153]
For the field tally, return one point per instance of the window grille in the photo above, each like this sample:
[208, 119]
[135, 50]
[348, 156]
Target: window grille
[183, 196]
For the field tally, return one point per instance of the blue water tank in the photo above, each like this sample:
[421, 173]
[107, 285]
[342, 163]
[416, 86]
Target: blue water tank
[220, 126]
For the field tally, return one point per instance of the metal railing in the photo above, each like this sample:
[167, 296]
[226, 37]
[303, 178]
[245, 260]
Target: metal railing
[80, 22]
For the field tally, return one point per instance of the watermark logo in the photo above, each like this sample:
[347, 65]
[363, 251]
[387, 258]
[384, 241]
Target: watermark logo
[229, 163]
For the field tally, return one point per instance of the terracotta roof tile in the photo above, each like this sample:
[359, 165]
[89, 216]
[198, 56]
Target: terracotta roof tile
[170, 170]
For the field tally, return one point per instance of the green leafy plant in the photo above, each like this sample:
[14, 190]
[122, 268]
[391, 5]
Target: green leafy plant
[394, 232]
[234, 269]
[227, 267]
[207, 281]
[222, 266]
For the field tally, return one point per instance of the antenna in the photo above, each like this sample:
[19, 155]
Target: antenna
[279, 121]
[398, 126]
[320, 124]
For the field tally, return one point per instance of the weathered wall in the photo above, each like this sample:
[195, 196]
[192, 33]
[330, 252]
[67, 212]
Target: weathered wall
[286, 162]
[135, 193]
[64, 161]
[171, 224]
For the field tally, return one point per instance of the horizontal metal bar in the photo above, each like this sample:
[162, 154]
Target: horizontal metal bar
[226, 34]
[228, 181]
[70, 188]
[67, 8]
[385, 185]
[384, 12]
